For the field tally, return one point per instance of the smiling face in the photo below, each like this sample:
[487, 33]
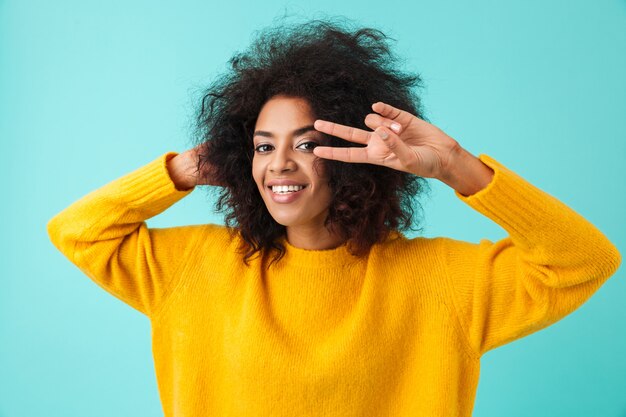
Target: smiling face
[294, 193]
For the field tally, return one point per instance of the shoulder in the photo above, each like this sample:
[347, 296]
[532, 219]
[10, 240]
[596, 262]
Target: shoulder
[398, 246]
[217, 234]
[397, 241]
[213, 234]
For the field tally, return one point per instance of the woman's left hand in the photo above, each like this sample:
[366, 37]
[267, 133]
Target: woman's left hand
[416, 147]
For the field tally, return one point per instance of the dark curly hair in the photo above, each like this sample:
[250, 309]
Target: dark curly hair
[341, 73]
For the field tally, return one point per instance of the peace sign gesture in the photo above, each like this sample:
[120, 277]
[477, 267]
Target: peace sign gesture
[400, 141]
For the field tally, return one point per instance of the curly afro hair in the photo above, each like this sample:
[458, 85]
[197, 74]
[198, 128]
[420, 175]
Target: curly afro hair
[341, 73]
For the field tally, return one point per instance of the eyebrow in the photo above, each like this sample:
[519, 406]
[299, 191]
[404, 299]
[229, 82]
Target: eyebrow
[297, 132]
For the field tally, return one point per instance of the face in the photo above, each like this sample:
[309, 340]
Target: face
[294, 193]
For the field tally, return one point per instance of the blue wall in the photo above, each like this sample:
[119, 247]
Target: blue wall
[91, 90]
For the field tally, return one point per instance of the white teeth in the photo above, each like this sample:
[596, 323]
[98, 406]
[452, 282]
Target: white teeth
[284, 189]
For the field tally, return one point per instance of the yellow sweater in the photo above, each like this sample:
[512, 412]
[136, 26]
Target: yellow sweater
[399, 333]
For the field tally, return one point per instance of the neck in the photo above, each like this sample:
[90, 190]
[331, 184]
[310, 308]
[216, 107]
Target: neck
[313, 238]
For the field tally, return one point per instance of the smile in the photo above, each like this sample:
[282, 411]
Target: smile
[284, 189]
[286, 193]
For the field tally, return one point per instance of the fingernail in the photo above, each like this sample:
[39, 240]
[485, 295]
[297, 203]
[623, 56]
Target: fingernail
[395, 127]
[383, 134]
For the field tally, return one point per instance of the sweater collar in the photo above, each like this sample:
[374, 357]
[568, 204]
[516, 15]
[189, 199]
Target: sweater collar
[316, 258]
[321, 258]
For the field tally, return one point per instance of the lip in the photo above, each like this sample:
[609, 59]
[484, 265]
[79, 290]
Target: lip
[288, 197]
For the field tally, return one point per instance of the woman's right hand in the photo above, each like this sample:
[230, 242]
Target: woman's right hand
[183, 170]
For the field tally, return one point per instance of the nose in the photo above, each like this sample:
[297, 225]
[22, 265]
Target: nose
[281, 161]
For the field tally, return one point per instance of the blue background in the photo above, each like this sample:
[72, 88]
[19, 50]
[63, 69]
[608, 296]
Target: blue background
[89, 91]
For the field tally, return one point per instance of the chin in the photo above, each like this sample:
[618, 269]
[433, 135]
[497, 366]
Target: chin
[286, 221]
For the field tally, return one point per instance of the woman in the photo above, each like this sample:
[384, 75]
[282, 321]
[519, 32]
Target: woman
[310, 301]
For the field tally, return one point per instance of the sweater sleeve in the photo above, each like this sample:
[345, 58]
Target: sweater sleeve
[104, 233]
[551, 262]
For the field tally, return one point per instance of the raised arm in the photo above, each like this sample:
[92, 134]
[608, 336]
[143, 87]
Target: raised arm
[552, 261]
[104, 233]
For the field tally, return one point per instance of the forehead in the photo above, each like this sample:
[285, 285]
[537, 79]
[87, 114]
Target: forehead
[282, 114]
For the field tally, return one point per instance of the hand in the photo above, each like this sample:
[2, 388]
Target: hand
[416, 147]
[183, 170]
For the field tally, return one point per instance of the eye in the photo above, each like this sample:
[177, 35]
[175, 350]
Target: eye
[261, 148]
[309, 146]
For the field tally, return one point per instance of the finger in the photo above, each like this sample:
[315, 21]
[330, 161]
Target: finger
[357, 155]
[373, 121]
[344, 132]
[404, 153]
[393, 113]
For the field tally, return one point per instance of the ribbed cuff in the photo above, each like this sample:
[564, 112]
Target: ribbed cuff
[515, 204]
[151, 187]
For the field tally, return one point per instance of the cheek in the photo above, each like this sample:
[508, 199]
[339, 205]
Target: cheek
[327, 192]
[324, 191]
[256, 173]
[318, 170]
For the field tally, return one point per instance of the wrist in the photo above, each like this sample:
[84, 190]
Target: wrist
[183, 170]
[466, 173]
